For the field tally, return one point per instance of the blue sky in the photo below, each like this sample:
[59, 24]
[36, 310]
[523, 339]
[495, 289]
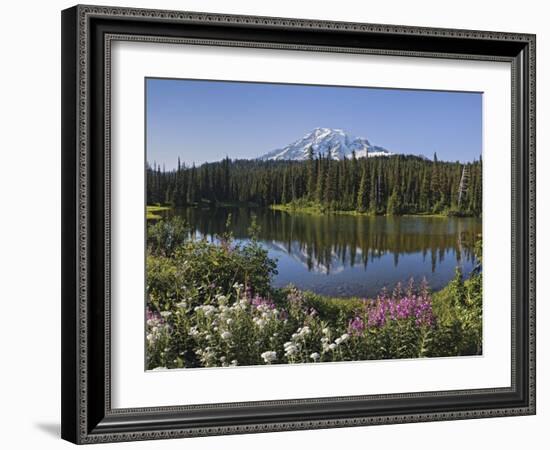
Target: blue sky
[206, 120]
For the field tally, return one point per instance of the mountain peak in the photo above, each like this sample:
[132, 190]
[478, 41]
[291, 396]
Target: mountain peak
[333, 142]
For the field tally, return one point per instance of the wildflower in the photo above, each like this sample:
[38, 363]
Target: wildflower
[332, 346]
[290, 348]
[226, 335]
[209, 310]
[229, 321]
[356, 326]
[221, 299]
[315, 356]
[259, 322]
[182, 304]
[243, 302]
[269, 356]
[262, 303]
[325, 331]
[165, 314]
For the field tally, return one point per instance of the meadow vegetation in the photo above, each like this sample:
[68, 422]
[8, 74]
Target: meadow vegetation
[212, 303]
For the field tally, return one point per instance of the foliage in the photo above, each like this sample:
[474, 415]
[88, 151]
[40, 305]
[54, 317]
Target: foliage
[380, 185]
[459, 308]
[164, 236]
[211, 304]
[199, 269]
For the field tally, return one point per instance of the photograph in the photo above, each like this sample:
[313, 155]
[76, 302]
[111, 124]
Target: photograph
[292, 223]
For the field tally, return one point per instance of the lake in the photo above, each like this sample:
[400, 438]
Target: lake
[346, 255]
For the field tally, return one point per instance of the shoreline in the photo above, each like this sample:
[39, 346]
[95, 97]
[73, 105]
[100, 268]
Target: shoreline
[309, 210]
[315, 211]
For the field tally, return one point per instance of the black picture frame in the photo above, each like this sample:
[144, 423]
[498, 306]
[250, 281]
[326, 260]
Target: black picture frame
[87, 416]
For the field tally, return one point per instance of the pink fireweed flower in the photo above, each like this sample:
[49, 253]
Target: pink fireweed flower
[398, 307]
[356, 326]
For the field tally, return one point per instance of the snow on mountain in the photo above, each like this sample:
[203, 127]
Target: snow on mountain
[327, 141]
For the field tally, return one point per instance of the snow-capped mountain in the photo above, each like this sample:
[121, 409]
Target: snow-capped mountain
[327, 141]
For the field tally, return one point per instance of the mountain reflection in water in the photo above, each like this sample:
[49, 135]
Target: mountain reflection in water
[345, 255]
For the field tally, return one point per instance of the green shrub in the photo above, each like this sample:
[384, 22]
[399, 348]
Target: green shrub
[164, 236]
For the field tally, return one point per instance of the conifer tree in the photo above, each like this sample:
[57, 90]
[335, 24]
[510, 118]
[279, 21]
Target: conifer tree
[363, 193]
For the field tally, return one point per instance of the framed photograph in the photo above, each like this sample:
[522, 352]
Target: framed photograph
[280, 224]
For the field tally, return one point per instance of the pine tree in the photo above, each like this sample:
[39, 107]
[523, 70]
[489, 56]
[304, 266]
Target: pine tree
[319, 196]
[394, 203]
[363, 193]
[310, 174]
[191, 187]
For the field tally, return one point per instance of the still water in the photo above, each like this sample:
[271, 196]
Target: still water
[343, 255]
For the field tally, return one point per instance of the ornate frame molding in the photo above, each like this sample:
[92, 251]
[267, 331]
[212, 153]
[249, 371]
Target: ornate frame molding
[80, 418]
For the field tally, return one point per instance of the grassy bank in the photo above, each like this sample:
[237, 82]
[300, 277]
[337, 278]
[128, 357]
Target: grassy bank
[318, 209]
[153, 210]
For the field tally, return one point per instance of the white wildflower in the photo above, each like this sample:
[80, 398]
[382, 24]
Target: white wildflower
[315, 356]
[269, 356]
[332, 346]
[226, 335]
[290, 348]
[221, 298]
